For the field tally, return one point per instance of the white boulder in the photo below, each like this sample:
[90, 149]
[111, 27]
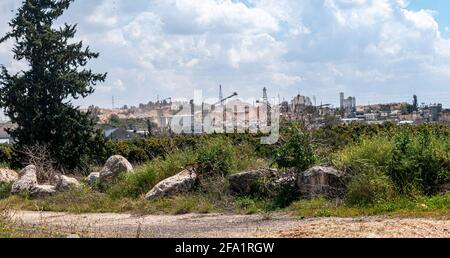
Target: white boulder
[42, 190]
[8, 176]
[183, 182]
[114, 166]
[26, 181]
[66, 183]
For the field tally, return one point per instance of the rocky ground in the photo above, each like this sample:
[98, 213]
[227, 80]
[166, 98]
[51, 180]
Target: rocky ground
[226, 226]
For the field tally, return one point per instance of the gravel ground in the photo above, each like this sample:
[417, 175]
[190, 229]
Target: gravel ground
[227, 226]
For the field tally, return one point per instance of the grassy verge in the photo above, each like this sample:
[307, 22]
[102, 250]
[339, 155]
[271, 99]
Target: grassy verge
[85, 201]
[434, 207]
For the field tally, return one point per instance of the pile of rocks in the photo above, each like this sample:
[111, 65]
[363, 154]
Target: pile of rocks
[316, 181]
[26, 181]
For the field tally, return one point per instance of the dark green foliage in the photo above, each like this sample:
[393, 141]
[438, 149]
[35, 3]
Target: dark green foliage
[38, 99]
[296, 150]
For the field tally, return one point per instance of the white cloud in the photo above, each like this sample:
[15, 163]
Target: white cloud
[104, 14]
[318, 47]
[255, 49]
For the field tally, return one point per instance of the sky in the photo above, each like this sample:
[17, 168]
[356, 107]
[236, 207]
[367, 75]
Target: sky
[376, 50]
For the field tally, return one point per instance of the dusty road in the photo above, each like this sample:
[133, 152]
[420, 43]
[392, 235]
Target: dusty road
[225, 226]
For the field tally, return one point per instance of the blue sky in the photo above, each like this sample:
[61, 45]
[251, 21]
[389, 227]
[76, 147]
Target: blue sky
[376, 50]
[442, 7]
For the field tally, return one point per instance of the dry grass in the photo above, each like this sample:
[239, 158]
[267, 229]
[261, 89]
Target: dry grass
[87, 201]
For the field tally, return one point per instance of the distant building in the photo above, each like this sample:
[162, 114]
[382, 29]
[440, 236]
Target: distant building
[434, 112]
[299, 103]
[347, 105]
[120, 134]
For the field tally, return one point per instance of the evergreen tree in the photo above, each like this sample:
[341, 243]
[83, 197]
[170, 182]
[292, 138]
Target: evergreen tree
[38, 99]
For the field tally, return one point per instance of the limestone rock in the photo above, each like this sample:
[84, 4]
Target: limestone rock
[183, 182]
[114, 166]
[321, 181]
[26, 181]
[249, 182]
[288, 179]
[8, 176]
[42, 190]
[93, 179]
[66, 183]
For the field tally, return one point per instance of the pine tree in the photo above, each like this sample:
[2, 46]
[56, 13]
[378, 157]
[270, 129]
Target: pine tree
[38, 99]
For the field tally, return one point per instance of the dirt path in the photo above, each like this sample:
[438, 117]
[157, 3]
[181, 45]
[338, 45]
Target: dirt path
[225, 226]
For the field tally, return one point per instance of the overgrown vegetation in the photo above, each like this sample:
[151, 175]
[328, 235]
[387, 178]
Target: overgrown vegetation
[390, 170]
[409, 162]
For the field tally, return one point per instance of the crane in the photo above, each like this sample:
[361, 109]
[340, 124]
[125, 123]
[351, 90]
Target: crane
[213, 107]
[225, 99]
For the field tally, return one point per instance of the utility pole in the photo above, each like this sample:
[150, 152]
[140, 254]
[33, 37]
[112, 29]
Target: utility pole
[192, 117]
[265, 98]
[220, 94]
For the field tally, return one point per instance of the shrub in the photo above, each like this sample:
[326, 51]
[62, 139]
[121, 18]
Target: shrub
[369, 188]
[421, 161]
[216, 157]
[368, 154]
[414, 161]
[40, 156]
[295, 150]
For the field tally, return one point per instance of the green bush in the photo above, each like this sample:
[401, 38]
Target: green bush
[369, 188]
[420, 161]
[216, 157]
[414, 161]
[295, 150]
[367, 155]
